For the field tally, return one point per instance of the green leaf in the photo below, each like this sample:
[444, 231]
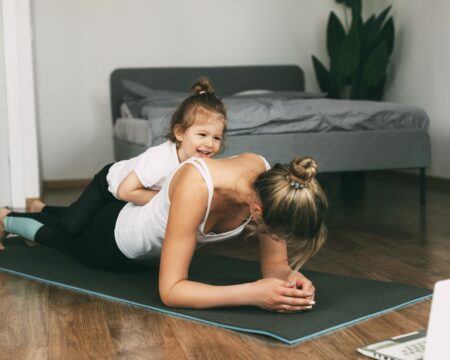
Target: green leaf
[335, 35]
[350, 53]
[347, 3]
[322, 75]
[380, 19]
[376, 65]
[387, 34]
[356, 6]
[369, 36]
[357, 85]
[376, 92]
[370, 21]
[337, 82]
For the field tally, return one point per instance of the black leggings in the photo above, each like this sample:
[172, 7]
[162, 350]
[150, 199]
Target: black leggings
[94, 245]
[73, 219]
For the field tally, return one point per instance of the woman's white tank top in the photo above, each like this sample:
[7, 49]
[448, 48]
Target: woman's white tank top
[140, 230]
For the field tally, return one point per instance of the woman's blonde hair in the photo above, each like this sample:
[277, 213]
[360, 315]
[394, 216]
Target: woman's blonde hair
[293, 205]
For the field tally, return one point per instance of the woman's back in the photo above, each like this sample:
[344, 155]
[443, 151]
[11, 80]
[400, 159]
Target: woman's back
[140, 230]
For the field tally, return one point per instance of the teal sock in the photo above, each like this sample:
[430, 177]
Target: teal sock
[24, 227]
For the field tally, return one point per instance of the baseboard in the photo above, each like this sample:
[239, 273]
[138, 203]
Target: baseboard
[65, 184]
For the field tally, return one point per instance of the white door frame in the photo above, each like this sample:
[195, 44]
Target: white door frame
[5, 186]
[20, 101]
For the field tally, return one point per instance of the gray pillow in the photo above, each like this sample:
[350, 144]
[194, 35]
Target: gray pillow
[159, 121]
[137, 96]
[134, 91]
[267, 94]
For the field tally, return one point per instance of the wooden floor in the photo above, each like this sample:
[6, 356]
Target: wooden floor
[379, 233]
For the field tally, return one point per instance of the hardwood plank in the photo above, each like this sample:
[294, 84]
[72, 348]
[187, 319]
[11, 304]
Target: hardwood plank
[23, 318]
[140, 334]
[201, 341]
[77, 327]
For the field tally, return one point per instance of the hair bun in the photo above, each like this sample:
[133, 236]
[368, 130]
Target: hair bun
[203, 84]
[304, 168]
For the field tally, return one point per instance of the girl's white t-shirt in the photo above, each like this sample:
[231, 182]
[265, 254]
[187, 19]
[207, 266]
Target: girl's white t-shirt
[152, 167]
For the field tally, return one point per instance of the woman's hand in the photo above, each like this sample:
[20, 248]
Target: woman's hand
[280, 296]
[301, 282]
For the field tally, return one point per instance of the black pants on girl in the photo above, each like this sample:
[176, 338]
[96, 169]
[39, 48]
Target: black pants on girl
[95, 244]
[74, 218]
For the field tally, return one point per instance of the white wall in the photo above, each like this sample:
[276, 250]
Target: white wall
[5, 196]
[79, 43]
[421, 74]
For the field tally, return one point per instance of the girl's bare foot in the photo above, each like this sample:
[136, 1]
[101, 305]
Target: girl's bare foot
[36, 206]
[3, 213]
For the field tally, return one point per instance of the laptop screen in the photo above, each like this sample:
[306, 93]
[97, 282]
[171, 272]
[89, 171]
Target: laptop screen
[439, 323]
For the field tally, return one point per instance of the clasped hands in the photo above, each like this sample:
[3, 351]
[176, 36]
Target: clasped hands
[293, 295]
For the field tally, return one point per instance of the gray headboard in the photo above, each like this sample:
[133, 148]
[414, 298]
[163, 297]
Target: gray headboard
[226, 79]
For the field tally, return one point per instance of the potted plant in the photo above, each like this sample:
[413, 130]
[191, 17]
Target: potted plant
[359, 54]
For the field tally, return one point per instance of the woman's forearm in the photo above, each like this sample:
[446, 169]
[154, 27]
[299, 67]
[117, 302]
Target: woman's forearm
[139, 196]
[279, 271]
[191, 294]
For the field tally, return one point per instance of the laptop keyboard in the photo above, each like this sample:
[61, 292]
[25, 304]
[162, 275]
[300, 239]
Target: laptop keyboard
[417, 348]
[409, 350]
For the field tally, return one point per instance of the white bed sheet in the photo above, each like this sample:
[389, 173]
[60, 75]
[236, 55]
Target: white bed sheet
[136, 131]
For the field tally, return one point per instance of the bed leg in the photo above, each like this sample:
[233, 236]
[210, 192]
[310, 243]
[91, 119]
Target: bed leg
[422, 187]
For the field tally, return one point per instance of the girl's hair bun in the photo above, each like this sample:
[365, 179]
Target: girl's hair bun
[303, 168]
[203, 85]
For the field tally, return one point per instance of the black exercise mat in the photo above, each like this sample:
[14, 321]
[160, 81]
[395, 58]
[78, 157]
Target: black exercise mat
[340, 300]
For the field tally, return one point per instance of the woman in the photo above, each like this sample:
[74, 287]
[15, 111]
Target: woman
[206, 200]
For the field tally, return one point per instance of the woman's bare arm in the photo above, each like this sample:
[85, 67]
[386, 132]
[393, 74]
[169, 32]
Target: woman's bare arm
[274, 258]
[189, 197]
[275, 263]
[132, 190]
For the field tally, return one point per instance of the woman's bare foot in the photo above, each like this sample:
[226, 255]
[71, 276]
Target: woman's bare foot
[36, 206]
[3, 213]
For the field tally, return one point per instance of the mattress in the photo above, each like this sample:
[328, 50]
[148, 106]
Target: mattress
[152, 129]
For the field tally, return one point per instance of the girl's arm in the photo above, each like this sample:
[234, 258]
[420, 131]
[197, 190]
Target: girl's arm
[132, 190]
[189, 196]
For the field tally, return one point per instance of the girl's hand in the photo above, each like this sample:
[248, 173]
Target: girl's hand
[132, 190]
[279, 296]
[299, 281]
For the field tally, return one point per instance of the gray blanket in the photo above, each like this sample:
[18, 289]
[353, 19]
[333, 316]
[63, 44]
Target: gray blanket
[271, 115]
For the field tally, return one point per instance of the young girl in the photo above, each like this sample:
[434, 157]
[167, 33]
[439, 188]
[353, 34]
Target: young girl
[206, 201]
[197, 129]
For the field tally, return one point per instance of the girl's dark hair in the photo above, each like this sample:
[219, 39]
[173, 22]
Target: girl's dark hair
[203, 97]
[293, 205]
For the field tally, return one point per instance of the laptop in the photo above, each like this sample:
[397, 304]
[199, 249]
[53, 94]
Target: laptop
[432, 344]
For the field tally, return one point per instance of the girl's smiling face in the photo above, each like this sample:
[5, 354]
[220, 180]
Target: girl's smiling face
[203, 138]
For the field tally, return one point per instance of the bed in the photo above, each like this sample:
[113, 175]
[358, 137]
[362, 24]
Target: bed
[396, 144]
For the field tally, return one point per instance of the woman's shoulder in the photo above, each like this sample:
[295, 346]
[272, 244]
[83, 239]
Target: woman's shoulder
[187, 177]
[244, 160]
